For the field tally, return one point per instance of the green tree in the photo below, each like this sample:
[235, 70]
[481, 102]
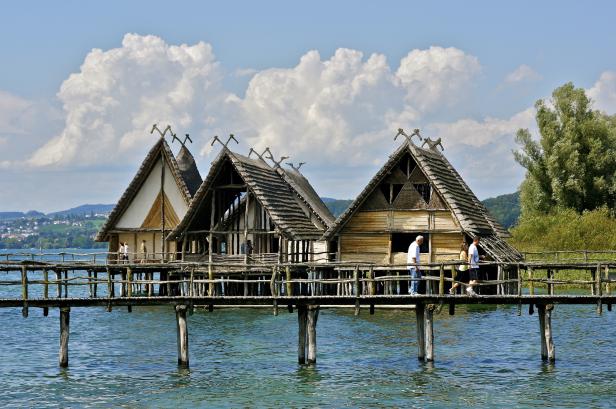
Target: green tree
[573, 164]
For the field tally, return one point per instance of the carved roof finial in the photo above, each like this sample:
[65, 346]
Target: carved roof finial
[186, 137]
[224, 144]
[162, 133]
[409, 138]
[433, 144]
[296, 168]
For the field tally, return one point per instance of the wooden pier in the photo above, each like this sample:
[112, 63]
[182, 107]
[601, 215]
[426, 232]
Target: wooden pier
[304, 287]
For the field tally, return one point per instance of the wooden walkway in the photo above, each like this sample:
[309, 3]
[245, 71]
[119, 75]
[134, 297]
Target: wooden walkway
[537, 286]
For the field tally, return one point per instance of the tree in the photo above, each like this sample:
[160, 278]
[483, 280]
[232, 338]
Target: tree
[573, 164]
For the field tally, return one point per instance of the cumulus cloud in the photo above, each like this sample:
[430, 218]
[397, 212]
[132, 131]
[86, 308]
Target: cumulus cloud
[111, 103]
[478, 133]
[523, 73]
[348, 105]
[435, 76]
[603, 92]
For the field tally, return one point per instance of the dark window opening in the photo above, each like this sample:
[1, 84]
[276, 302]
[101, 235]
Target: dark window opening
[391, 191]
[400, 242]
[397, 188]
[424, 190]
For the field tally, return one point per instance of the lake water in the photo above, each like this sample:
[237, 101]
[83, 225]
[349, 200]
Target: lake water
[485, 356]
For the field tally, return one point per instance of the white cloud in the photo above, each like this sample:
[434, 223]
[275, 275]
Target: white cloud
[603, 92]
[347, 106]
[436, 75]
[474, 133]
[523, 73]
[111, 103]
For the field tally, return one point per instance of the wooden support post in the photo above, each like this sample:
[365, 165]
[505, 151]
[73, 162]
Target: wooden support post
[110, 291]
[599, 290]
[24, 291]
[129, 282]
[90, 289]
[182, 335]
[421, 333]
[548, 352]
[95, 285]
[289, 279]
[429, 328]
[274, 289]
[356, 289]
[441, 281]
[519, 291]
[607, 285]
[58, 283]
[302, 320]
[65, 283]
[531, 284]
[593, 286]
[45, 290]
[210, 275]
[65, 315]
[313, 316]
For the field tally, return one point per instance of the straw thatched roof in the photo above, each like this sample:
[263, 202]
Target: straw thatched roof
[288, 198]
[185, 174]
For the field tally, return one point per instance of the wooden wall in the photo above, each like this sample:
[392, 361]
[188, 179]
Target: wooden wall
[366, 237]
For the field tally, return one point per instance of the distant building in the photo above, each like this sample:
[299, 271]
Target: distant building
[153, 204]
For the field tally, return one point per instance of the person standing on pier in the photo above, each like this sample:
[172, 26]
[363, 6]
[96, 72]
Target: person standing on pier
[125, 253]
[462, 269]
[413, 264]
[473, 260]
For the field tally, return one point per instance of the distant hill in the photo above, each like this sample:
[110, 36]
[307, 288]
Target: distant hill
[505, 208]
[75, 211]
[18, 215]
[336, 206]
[84, 209]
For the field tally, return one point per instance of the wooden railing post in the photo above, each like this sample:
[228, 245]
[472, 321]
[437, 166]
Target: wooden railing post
[289, 279]
[24, 291]
[274, 289]
[441, 281]
[599, 290]
[519, 291]
[45, 290]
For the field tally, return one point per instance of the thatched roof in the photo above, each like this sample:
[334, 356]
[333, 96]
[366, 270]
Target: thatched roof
[279, 192]
[190, 170]
[468, 210]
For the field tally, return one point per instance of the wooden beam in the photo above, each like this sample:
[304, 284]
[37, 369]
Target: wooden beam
[182, 335]
[64, 334]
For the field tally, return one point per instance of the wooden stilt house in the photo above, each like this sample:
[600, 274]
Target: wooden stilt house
[153, 204]
[416, 192]
[248, 211]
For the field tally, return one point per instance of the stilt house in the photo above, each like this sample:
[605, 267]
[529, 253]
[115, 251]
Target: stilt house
[417, 191]
[249, 211]
[154, 203]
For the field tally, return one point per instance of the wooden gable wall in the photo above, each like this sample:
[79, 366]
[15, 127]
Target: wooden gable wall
[399, 204]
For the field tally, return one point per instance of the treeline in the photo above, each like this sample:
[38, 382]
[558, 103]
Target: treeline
[568, 197]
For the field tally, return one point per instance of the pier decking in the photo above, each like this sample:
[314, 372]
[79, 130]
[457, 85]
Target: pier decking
[67, 284]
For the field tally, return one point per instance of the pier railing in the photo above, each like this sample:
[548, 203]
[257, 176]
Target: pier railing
[304, 286]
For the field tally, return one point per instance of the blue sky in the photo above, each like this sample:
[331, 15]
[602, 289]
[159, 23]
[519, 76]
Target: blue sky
[498, 60]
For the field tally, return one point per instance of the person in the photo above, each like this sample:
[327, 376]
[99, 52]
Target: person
[413, 264]
[462, 268]
[144, 252]
[473, 261]
[125, 253]
[121, 252]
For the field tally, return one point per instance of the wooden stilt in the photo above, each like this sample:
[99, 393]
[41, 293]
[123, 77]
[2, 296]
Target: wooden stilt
[59, 283]
[313, 316]
[302, 319]
[548, 352]
[182, 335]
[421, 333]
[64, 333]
[46, 290]
[95, 285]
[429, 328]
[24, 291]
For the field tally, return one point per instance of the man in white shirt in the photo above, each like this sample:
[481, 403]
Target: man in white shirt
[413, 264]
[473, 260]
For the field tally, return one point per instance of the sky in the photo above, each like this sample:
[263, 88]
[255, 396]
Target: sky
[327, 83]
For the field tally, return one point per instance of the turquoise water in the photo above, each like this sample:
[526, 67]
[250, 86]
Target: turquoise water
[247, 358]
[485, 356]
